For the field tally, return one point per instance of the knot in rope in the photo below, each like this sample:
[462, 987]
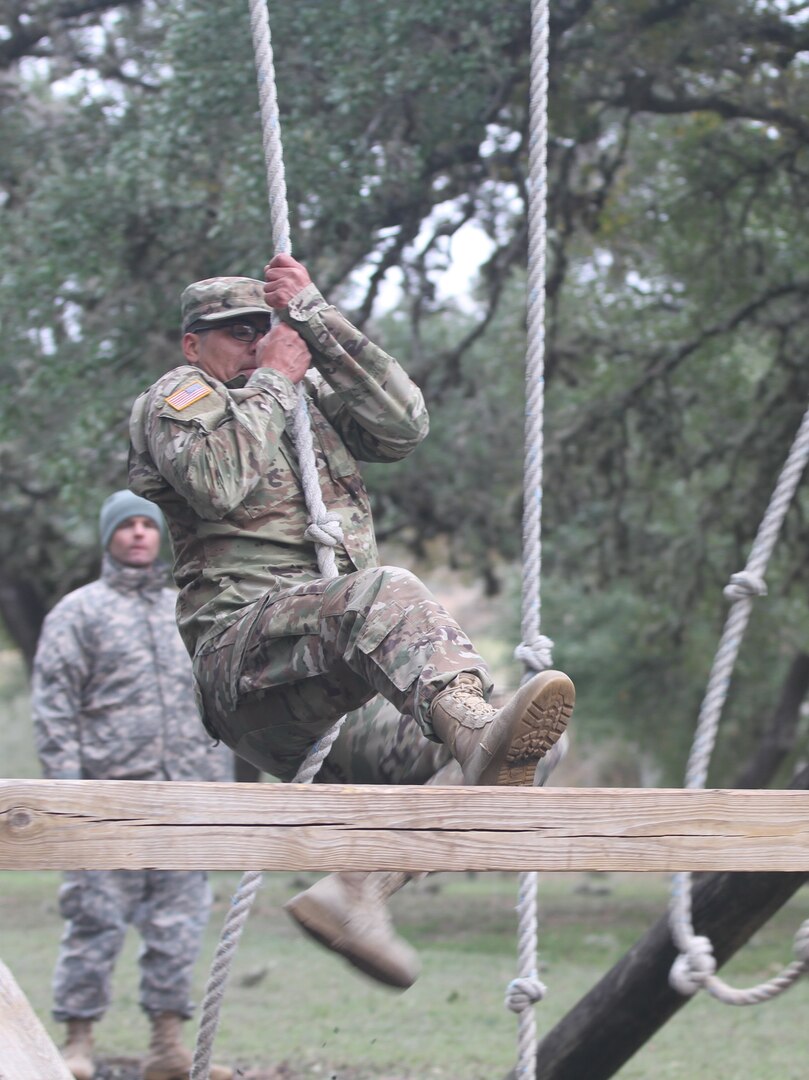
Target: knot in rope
[536, 654]
[325, 530]
[800, 946]
[524, 992]
[745, 584]
[692, 969]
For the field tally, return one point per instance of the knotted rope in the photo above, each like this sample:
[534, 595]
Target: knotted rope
[535, 650]
[323, 531]
[695, 968]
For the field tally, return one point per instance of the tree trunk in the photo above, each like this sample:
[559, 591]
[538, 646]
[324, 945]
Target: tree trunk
[778, 739]
[634, 998]
[22, 613]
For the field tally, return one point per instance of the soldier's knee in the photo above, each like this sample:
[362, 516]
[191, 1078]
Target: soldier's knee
[368, 591]
[399, 582]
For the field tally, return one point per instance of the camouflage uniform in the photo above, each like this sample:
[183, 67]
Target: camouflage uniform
[379, 745]
[112, 698]
[279, 652]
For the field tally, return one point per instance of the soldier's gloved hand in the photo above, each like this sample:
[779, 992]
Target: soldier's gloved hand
[284, 278]
[285, 351]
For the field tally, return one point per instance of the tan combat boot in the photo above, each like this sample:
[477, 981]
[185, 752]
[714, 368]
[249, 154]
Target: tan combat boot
[347, 913]
[78, 1049]
[168, 1058]
[502, 746]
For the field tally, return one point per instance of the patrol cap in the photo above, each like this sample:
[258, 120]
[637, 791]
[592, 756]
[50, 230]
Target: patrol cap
[215, 299]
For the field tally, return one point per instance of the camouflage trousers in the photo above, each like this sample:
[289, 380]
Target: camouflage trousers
[169, 908]
[274, 682]
[379, 745]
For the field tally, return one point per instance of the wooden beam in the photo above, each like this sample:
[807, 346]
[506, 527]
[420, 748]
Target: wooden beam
[26, 1049]
[108, 824]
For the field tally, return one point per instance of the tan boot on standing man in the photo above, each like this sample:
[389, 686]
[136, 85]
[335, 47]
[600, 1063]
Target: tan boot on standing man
[168, 1057]
[78, 1049]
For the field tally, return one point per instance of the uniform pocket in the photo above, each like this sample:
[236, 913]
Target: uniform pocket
[277, 491]
[276, 642]
[390, 640]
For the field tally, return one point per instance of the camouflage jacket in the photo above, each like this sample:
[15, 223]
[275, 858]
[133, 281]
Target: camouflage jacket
[112, 691]
[220, 463]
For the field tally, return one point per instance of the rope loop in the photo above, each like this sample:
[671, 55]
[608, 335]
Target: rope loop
[537, 654]
[800, 946]
[691, 970]
[325, 530]
[524, 992]
[745, 584]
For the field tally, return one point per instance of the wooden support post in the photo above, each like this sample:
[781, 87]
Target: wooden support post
[26, 1050]
[634, 999]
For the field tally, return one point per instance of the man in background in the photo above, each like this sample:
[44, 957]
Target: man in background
[113, 699]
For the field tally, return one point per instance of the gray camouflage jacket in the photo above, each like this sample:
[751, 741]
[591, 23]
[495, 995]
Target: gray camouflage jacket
[220, 463]
[112, 691]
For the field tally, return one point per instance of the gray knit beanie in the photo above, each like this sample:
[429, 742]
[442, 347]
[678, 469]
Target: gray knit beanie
[122, 505]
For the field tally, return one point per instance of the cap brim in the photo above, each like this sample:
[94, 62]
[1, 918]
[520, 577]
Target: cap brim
[225, 316]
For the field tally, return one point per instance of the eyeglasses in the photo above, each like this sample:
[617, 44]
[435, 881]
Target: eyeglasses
[240, 331]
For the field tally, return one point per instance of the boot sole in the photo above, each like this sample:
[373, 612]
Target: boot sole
[323, 928]
[532, 723]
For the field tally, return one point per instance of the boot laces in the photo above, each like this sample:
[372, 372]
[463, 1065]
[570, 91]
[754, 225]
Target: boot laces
[474, 704]
[463, 700]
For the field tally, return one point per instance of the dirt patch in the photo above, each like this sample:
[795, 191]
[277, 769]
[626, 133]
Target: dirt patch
[127, 1068]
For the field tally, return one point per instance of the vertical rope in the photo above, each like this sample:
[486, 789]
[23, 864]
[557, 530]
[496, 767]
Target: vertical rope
[270, 126]
[324, 531]
[535, 649]
[533, 646]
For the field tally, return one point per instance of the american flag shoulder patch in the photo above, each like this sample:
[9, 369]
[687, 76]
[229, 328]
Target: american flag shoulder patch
[187, 395]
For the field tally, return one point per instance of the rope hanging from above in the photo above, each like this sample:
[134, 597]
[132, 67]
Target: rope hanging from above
[324, 531]
[535, 650]
[695, 968]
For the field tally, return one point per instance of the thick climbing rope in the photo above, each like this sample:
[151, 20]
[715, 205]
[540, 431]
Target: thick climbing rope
[323, 530]
[695, 967]
[535, 650]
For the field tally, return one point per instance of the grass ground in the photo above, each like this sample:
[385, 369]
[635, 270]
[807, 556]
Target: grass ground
[293, 1011]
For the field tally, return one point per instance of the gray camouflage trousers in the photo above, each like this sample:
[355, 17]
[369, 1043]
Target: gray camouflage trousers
[274, 682]
[169, 908]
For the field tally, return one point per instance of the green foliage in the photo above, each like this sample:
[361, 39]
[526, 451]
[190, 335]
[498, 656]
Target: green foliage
[464, 481]
[677, 290]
